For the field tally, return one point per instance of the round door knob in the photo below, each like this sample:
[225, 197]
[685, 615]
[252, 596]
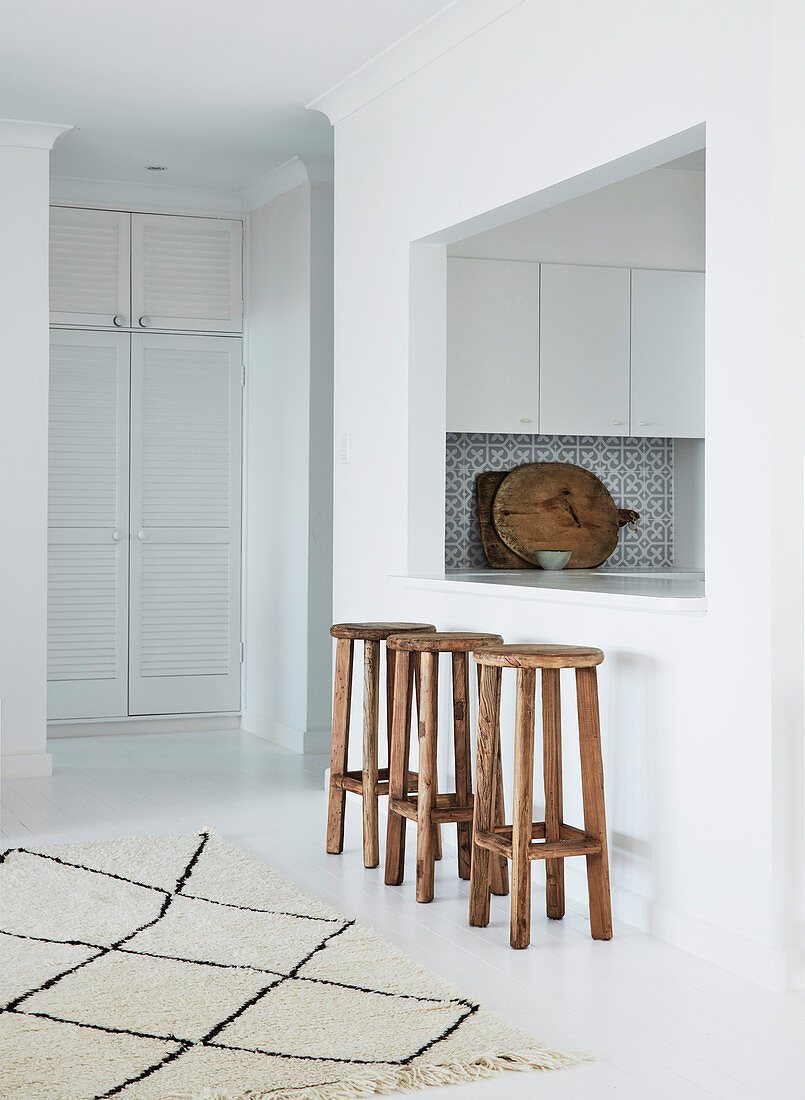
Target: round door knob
[120, 320]
[116, 536]
[142, 535]
[145, 322]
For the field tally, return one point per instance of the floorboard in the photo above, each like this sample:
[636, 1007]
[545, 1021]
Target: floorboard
[662, 1023]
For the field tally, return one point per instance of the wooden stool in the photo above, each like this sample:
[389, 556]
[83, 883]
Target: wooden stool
[428, 808]
[556, 840]
[369, 781]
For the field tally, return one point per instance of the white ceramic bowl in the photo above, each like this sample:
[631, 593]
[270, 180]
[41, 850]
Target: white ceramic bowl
[552, 559]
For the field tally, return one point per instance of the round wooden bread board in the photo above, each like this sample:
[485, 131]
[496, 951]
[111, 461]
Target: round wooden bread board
[557, 506]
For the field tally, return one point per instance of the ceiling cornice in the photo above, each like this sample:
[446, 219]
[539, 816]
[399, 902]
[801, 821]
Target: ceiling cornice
[441, 33]
[20, 134]
[291, 174]
[144, 196]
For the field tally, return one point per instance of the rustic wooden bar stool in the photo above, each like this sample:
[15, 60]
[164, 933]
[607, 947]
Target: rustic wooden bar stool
[370, 781]
[551, 840]
[428, 808]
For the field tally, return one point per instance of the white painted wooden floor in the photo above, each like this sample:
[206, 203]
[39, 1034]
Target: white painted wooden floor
[663, 1024]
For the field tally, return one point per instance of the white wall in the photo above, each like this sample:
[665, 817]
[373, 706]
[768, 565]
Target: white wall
[654, 219]
[288, 530]
[690, 724]
[24, 158]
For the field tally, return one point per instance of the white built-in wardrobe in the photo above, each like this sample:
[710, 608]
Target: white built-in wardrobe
[144, 464]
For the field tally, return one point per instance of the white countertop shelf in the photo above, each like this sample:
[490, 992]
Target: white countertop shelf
[672, 590]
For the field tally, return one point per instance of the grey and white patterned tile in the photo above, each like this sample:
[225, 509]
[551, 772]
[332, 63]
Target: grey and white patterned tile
[638, 472]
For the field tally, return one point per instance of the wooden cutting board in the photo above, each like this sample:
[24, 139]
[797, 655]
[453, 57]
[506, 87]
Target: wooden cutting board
[557, 506]
[496, 552]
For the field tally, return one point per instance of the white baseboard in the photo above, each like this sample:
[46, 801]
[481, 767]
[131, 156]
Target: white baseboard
[767, 966]
[749, 959]
[97, 727]
[288, 737]
[25, 765]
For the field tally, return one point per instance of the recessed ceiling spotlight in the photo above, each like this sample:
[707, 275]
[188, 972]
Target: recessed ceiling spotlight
[155, 167]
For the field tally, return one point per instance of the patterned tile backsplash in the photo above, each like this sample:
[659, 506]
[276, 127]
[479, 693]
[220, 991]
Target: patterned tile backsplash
[639, 474]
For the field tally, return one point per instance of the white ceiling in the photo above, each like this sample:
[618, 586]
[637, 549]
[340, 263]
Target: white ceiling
[215, 90]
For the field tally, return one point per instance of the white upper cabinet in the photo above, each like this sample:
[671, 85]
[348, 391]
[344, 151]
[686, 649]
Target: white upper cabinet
[186, 273]
[668, 353]
[145, 271]
[584, 350]
[492, 346]
[89, 267]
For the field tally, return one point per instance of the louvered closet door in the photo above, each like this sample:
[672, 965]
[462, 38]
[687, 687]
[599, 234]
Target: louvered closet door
[89, 267]
[184, 648]
[88, 506]
[186, 273]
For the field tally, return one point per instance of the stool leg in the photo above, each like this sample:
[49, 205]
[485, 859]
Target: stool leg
[426, 788]
[418, 683]
[488, 736]
[390, 667]
[498, 865]
[461, 739]
[338, 750]
[371, 681]
[552, 770]
[398, 766]
[592, 788]
[520, 933]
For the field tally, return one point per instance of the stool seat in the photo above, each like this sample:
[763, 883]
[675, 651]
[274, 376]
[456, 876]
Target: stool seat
[539, 656]
[441, 641]
[376, 632]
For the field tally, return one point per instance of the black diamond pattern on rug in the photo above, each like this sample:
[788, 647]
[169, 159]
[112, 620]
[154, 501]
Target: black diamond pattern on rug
[159, 974]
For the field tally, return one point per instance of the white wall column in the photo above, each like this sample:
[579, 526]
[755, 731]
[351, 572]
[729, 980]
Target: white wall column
[24, 195]
[289, 447]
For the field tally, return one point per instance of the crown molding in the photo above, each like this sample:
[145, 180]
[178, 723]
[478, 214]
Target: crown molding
[286, 177]
[30, 135]
[445, 30]
[145, 196]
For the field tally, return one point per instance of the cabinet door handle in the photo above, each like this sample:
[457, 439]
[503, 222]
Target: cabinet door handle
[643, 423]
[116, 536]
[145, 322]
[119, 321]
[142, 535]
[526, 419]
[617, 421]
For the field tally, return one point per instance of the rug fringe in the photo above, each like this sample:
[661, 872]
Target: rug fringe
[365, 1084]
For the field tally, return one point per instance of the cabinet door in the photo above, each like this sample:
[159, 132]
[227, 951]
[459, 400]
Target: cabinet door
[584, 350]
[186, 273]
[668, 353]
[492, 346]
[89, 267]
[88, 525]
[184, 648]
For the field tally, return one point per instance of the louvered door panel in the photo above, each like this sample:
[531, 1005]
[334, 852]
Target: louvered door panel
[89, 266]
[88, 525]
[185, 579]
[187, 273]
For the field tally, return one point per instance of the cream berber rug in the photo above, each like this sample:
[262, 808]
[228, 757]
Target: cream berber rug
[179, 968]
